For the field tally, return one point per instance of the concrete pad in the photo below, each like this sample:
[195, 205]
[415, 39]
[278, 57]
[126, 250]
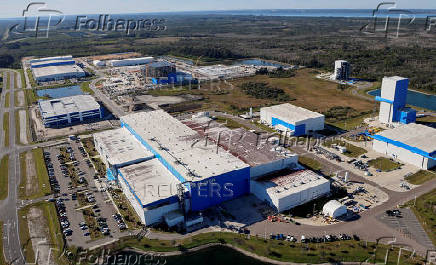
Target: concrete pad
[23, 127]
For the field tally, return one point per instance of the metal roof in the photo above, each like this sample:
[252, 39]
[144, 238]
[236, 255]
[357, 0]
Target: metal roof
[417, 138]
[62, 106]
[173, 141]
[57, 70]
[291, 113]
[120, 147]
[150, 181]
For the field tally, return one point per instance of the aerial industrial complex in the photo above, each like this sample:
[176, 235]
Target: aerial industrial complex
[199, 168]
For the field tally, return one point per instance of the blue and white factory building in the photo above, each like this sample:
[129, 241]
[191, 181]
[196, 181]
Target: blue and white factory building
[289, 118]
[169, 170]
[67, 110]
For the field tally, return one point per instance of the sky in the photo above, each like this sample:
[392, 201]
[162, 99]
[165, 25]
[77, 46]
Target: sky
[14, 8]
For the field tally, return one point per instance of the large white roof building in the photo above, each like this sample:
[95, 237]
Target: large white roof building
[411, 143]
[287, 117]
[68, 109]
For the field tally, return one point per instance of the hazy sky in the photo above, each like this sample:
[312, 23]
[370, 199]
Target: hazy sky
[13, 8]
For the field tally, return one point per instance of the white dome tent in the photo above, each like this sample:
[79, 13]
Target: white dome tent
[334, 209]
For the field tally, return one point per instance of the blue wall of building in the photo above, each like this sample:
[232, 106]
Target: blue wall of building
[407, 116]
[215, 190]
[69, 62]
[298, 130]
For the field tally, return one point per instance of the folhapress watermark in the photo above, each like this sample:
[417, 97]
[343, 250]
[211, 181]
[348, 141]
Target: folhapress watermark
[106, 23]
[391, 20]
[39, 20]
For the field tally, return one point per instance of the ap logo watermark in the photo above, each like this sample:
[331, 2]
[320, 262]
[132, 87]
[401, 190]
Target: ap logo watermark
[38, 20]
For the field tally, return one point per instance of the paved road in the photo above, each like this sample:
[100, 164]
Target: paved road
[8, 207]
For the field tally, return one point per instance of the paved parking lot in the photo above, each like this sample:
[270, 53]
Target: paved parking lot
[102, 207]
[407, 224]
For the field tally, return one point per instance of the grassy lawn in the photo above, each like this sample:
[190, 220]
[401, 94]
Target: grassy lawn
[30, 97]
[304, 88]
[86, 89]
[90, 220]
[8, 80]
[309, 162]
[265, 127]
[26, 243]
[2, 257]
[7, 99]
[333, 252]
[350, 123]
[4, 174]
[425, 211]
[421, 177]
[31, 79]
[127, 212]
[352, 150]
[88, 144]
[15, 79]
[6, 128]
[230, 123]
[23, 78]
[41, 172]
[384, 164]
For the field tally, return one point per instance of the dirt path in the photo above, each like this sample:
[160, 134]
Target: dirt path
[39, 234]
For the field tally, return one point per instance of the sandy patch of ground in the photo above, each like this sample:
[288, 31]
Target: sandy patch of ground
[39, 234]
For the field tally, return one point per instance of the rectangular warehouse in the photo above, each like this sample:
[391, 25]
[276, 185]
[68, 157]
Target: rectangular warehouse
[130, 62]
[286, 191]
[214, 175]
[65, 57]
[412, 143]
[151, 189]
[287, 117]
[62, 111]
[59, 72]
[56, 62]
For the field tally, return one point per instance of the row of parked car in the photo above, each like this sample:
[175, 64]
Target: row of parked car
[54, 184]
[304, 239]
[120, 222]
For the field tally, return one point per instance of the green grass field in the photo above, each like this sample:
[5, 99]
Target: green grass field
[333, 252]
[23, 78]
[31, 79]
[4, 175]
[309, 162]
[384, 164]
[7, 79]
[30, 97]
[230, 123]
[85, 88]
[7, 100]
[6, 128]
[41, 172]
[421, 177]
[425, 211]
[352, 150]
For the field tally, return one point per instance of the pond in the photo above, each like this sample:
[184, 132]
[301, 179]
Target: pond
[216, 255]
[415, 98]
[60, 92]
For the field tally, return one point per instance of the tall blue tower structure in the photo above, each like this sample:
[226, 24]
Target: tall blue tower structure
[393, 101]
